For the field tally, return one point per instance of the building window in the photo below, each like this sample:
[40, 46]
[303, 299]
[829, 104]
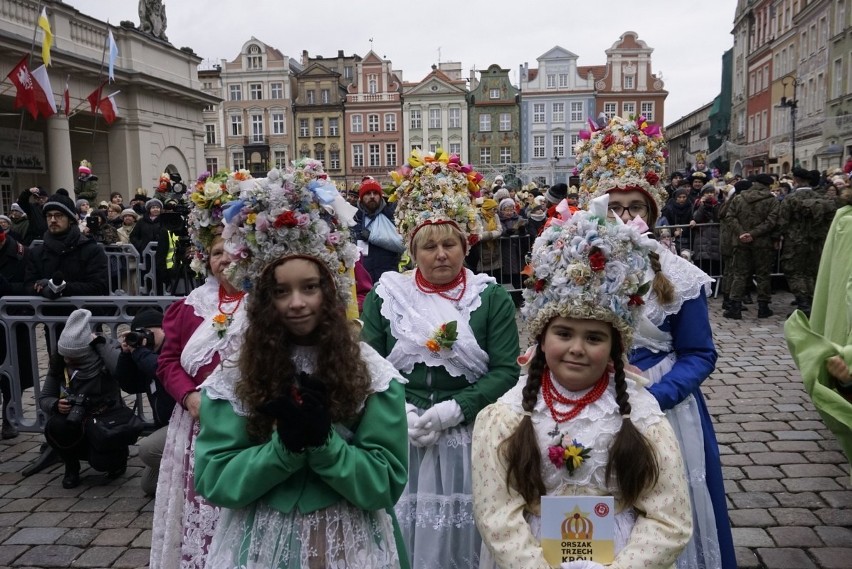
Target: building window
[325, 96]
[254, 59]
[278, 124]
[494, 93]
[375, 155]
[390, 155]
[563, 80]
[610, 109]
[210, 130]
[628, 109]
[372, 84]
[310, 96]
[304, 127]
[319, 127]
[276, 90]
[433, 147]
[212, 165]
[209, 108]
[390, 122]
[279, 159]
[485, 123]
[577, 111]
[332, 127]
[238, 161]
[255, 91]
[455, 148]
[319, 154]
[558, 113]
[538, 113]
[334, 160]
[505, 155]
[257, 128]
[434, 118]
[575, 138]
[347, 72]
[207, 85]
[236, 125]
[628, 82]
[505, 121]
[837, 75]
[357, 123]
[559, 146]
[551, 80]
[236, 92]
[538, 147]
[484, 156]
[647, 109]
[416, 120]
[358, 155]
[454, 117]
[372, 123]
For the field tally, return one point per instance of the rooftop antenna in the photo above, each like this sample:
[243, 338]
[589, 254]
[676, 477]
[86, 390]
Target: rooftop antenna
[371, 44]
[439, 55]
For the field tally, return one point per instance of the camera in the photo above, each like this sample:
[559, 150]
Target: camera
[135, 338]
[78, 408]
[178, 186]
[93, 222]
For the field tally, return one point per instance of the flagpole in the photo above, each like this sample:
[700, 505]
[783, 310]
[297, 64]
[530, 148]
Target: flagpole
[100, 77]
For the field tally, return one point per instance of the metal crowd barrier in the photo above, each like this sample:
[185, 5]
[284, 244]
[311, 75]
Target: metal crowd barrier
[30, 327]
[505, 260]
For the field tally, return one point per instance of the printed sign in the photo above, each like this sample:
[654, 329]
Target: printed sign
[578, 527]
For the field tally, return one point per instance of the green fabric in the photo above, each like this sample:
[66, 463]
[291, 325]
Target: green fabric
[370, 472]
[496, 332]
[829, 331]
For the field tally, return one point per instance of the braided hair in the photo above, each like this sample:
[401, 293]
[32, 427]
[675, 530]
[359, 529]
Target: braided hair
[661, 285]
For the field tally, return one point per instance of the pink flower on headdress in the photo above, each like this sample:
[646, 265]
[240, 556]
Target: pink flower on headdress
[303, 220]
[333, 238]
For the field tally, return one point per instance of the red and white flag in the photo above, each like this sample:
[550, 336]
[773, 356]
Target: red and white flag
[66, 98]
[108, 108]
[25, 85]
[95, 97]
[43, 92]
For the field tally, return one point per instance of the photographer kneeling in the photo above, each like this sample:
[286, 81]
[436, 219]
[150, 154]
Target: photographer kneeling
[87, 418]
[137, 373]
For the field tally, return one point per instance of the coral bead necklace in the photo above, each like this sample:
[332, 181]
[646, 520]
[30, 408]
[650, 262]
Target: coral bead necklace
[441, 290]
[552, 397]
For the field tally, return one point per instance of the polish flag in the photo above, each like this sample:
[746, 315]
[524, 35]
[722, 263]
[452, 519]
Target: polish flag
[44, 92]
[25, 87]
[95, 97]
[108, 108]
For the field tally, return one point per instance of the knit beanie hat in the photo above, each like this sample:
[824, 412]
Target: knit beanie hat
[557, 192]
[62, 203]
[19, 209]
[151, 203]
[6, 218]
[147, 318]
[77, 335]
[80, 202]
[129, 211]
[742, 185]
[501, 195]
[368, 186]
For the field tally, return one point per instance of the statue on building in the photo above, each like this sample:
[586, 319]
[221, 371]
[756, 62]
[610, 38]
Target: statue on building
[152, 18]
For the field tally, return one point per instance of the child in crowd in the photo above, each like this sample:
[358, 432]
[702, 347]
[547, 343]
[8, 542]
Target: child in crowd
[576, 424]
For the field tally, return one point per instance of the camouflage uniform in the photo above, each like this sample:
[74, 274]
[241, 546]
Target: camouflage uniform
[805, 216]
[754, 211]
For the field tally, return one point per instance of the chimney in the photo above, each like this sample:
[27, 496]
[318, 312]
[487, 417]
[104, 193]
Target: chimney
[340, 53]
[304, 57]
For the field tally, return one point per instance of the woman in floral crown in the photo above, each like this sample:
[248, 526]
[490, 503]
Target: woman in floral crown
[577, 424]
[673, 344]
[302, 442]
[202, 331]
[452, 334]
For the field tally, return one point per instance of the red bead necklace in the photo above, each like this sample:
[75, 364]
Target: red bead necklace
[441, 290]
[227, 298]
[552, 396]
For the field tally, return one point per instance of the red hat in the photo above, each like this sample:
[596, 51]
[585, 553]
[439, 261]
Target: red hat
[368, 186]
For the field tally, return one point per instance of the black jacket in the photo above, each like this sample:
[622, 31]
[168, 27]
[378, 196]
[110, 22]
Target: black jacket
[146, 231]
[13, 260]
[37, 225]
[136, 372]
[82, 262]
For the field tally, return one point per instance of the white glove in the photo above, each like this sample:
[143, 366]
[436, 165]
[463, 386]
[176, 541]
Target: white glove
[427, 439]
[441, 416]
[582, 564]
[414, 430]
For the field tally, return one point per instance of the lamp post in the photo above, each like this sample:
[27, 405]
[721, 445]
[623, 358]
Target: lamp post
[793, 105]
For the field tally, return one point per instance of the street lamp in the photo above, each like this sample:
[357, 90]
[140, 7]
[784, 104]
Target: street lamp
[793, 105]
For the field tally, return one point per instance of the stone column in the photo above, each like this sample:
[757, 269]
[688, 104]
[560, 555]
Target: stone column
[61, 170]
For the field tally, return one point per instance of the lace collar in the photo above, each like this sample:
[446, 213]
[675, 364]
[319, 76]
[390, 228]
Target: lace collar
[688, 281]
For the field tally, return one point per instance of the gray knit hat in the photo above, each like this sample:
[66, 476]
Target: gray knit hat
[151, 203]
[81, 201]
[77, 334]
[129, 211]
[62, 203]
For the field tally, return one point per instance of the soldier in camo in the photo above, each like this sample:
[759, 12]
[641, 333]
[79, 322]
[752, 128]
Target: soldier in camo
[805, 214]
[753, 219]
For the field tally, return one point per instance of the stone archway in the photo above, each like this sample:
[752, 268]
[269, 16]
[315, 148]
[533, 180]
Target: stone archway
[172, 161]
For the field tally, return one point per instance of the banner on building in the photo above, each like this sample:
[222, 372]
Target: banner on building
[26, 157]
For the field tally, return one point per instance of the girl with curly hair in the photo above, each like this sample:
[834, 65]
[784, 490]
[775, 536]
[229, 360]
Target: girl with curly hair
[303, 443]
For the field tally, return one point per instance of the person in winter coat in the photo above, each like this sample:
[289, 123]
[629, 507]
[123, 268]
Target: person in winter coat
[378, 253]
[678, 211]
[31, 202]
[706, 252]
[12, 264]
[728, 239]
[20, 223]
[148, 228]
[489, 257]
[753, 216]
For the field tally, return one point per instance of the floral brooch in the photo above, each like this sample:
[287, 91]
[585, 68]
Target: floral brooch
[569, 454]
[443, 338]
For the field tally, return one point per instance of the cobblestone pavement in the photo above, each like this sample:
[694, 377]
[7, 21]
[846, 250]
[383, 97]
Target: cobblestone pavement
[788, 486]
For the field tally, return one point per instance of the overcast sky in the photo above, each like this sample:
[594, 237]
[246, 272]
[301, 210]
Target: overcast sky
[688, 37]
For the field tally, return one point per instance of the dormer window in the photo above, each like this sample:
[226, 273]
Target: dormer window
[254, 58]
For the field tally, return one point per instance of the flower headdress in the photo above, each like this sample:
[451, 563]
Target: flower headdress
[435, 188]
[205, 220]
[626, 155]
[294, 212]
[585, 267]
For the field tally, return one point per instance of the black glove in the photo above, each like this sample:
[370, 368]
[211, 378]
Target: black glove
[288, 421]
[316, 418]
[365, 235]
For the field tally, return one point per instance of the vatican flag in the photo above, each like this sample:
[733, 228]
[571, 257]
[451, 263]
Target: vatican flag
[48, 36]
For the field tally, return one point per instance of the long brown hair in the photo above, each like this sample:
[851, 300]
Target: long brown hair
[265, 365]
[632, 461]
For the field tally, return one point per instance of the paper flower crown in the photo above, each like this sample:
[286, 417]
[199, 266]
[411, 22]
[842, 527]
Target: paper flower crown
[585, 267]
[207, 204]
[434, 188]
[295, 212]
[626, 155]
